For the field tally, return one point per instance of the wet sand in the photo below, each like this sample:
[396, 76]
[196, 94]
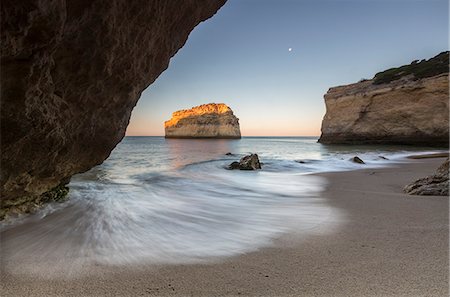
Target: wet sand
[386, 244]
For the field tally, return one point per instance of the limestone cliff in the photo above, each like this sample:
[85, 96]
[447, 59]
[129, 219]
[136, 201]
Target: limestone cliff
[205, 121]
[71, 73]
[405, 105]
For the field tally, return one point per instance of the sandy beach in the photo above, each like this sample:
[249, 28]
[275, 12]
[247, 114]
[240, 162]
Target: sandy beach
[387, 244]
[224, 148]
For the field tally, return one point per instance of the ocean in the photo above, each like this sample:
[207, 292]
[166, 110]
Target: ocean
[172, 201]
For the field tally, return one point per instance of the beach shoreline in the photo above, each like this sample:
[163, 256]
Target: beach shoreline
[388, 244]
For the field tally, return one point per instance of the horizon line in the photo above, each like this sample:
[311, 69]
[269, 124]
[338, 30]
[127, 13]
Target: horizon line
[241, 136]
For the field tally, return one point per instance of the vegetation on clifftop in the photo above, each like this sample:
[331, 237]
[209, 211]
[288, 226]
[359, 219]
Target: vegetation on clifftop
[425, 68]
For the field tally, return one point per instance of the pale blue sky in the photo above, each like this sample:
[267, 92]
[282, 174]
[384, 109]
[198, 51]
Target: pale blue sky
[240, 57]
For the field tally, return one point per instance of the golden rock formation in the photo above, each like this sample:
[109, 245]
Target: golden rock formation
[204, 121]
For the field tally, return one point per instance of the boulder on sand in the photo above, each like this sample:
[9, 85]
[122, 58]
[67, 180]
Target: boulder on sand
[249, 162]
[433, 185]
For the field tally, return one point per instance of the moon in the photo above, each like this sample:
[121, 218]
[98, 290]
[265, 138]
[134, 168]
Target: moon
[290, 49]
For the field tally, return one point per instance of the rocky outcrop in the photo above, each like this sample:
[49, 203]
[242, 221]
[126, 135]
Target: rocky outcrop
[249, 162]
[205, 121]
[71, 73]
[405, 105]
[434, 185]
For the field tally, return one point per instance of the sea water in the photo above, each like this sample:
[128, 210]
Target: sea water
[172, 201]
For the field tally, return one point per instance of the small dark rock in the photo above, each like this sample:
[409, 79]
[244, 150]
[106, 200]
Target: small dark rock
[383, 157]
[356, 159]
[229, 154]
[249, 162]
[234, 165]
[300, 161]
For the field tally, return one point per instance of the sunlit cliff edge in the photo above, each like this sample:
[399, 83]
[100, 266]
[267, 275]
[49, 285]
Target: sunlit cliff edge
[204, 121]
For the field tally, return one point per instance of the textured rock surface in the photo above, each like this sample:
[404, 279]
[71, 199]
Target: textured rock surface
[205, 121]
[436, 185]
[249, 162]
[71, 73]
[402, 111]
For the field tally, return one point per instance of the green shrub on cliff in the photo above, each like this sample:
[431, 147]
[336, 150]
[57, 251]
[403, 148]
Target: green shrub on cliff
[425, 68]
[57, 194]
[28, 204]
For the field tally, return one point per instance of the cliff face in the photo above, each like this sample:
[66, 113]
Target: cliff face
[204, 121]
[71, 73]
[396, 107]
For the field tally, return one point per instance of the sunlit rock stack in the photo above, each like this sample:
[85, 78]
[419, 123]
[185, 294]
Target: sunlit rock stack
[71, 73]
[205, 121]
[405, 105]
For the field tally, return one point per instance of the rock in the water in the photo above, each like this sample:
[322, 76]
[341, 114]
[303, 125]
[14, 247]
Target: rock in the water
[433, 185]
[228, 154]
[249, 162]
[234, 165]
[71, 73]
[205, 121]
[383, 157]
[406, 105]
[357, 159]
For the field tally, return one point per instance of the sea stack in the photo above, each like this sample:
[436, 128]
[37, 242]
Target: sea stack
[404, 105]
[204, 121]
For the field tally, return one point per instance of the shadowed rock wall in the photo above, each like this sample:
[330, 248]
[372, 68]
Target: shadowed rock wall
[71, 73]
